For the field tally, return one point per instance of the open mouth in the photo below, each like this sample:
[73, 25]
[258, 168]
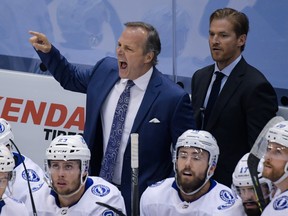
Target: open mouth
[123, 65]
[187, 173]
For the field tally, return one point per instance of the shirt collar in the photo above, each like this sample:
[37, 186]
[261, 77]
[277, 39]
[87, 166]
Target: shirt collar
[227, 70]
[142, 81]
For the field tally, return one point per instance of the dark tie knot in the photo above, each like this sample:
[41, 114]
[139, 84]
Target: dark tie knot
[219, 75]
[129, 84]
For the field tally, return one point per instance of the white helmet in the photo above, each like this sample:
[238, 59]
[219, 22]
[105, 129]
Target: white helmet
[199, 139]
[6, 133]
[68, 147]
[279, 134]
[7, 162]
[241, 176]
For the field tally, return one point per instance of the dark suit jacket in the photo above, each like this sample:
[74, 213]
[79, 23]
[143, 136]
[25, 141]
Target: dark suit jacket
[245, 104]
[163, 100]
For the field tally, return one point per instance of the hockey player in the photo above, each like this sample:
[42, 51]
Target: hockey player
[35, 175]
[69, 189]
[243, 186]
[192, 191]
[276, 168]
[8, 205]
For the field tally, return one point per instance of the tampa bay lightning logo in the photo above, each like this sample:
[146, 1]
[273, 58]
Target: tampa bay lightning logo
[100, 190]
[2, 128]
[108, 213]
[32, 175]
[281, 203]
[228, 198]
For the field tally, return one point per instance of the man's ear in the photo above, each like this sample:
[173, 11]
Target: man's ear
[242, 40]
[212, 170]
[149, 57]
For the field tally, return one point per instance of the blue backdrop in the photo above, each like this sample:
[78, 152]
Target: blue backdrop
[87, 30]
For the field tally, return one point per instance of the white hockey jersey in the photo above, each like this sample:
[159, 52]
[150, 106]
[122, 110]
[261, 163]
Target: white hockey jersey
[278, 206]
[11, 207]
[20, 188]
[163, 198]
[96, 190]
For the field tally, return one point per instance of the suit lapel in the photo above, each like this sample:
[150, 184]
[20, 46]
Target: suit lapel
[108, 84]
[150, 95]
[199, 90]
[203, 87]
[229, 89]
[101, 93]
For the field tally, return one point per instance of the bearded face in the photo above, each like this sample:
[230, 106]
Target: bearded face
[276, 159]
[65, 176]
[191, 168]
[250, 200]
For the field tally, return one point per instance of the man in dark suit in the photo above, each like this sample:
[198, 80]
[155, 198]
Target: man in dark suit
[159, 110]
[246, 100]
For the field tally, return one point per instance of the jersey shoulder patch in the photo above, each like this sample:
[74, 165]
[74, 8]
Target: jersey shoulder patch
[32, 175]
[228, 198]
[100, 190]
[281, 203]
[108, 213]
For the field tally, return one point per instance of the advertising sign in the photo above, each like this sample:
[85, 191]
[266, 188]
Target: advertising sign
[38, 110]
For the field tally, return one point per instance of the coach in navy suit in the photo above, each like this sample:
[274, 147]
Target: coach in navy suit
[247, 101]
[160, 110]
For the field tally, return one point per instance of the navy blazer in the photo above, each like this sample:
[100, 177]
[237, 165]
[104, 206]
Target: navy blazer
[163, 100]
[245, 104]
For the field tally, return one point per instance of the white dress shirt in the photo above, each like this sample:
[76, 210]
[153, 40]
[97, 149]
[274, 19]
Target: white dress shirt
[226, 71]
[107, 113]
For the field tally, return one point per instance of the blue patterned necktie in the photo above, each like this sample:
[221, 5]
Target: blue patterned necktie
[110, 157]
[213, 96]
